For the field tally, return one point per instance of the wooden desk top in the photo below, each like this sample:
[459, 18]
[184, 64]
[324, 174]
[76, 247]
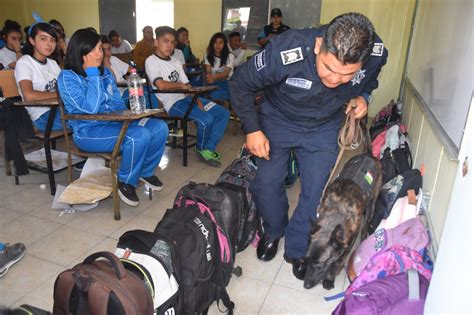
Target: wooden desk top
[193, 90]
[45, 102]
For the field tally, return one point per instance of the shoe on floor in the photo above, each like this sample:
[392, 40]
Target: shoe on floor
[210, 157]
[9, 255]
[128, 194]
[175, 132]
[153, 182]
[267, 248]
[300, 265]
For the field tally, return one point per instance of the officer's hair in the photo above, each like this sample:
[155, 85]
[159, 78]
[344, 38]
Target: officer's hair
[350, 37]
[163, 30]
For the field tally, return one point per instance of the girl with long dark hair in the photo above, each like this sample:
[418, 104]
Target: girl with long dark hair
[219, 63]
[87, 87]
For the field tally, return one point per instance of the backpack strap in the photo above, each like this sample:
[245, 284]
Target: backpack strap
[227, 302]
[413, 285]
[62, 292]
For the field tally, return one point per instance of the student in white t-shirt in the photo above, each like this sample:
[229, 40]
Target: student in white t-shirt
[119, 68]
[36, 74]
[166, 72]
[119, 45]
[219, 63]
[237, 49]
[12, 50]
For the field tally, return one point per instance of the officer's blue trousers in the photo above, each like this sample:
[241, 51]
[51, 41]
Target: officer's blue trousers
[142, 146]
[316, 152]
[211, 124]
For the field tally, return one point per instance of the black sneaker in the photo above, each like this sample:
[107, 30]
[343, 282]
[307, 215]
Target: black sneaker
[128, 194]
[153, 182]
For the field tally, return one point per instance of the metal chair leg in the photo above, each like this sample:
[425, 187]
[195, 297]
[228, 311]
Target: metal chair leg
[49, 164]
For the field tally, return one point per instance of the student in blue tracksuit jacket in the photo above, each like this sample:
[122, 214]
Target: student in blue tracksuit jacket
[86, 87]
[307, 76]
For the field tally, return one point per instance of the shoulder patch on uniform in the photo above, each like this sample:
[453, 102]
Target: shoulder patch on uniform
[358, 77]
[291, 55]
[260, 60]
[377, 50]
[299, 82]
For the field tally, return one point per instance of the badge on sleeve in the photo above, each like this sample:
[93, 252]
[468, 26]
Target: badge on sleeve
[358, 77]
[260, 60]
[291, 55]
[377, 50]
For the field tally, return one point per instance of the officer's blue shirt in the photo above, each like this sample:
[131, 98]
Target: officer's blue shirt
[286, 71]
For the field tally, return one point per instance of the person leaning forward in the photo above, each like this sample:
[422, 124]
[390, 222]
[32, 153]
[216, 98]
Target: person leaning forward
[307, 76]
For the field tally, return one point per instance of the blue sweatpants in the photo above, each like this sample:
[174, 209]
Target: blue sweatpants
[211, 124]
[42, 121]
[316, 151]
[142, 146]
[223, 92]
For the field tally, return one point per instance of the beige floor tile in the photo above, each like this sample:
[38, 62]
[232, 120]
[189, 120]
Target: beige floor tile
[254, 268]
[247, 294]
[6, 216]
[141, 222]
[41, 297]
[27, 200]
[55, 215]
[160, 204]
[24, 277]
[288, 301]
[107, 244]
[64, 245]
[286, 278]
[27, 229]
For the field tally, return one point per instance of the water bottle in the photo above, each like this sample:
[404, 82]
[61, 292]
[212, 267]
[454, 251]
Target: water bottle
[135, 91]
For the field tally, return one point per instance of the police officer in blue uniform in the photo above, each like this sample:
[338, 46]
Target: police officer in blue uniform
[307, 77]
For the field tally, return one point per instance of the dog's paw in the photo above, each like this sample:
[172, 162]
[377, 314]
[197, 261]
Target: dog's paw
[328, 284]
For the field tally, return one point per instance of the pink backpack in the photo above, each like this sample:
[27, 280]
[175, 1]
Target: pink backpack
[392, 261]
[411, 233]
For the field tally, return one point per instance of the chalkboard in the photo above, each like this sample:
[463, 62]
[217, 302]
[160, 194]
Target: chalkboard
[118, 15]
[440, 65]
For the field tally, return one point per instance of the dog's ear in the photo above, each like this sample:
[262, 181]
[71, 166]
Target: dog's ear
[337, 235]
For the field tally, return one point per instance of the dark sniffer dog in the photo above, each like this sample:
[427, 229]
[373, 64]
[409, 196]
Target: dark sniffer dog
[346, 207]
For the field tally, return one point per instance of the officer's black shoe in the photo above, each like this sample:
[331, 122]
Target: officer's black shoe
[300, 265]
[267, 248]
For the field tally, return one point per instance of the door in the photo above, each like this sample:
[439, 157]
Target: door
[118, 15]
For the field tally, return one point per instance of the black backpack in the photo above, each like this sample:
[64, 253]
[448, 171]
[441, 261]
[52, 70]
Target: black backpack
[237, 177]
[196, 259]
[396, 162]
[151, 257]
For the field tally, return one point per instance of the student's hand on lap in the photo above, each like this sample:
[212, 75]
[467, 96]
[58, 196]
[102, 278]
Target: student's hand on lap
[258, 144]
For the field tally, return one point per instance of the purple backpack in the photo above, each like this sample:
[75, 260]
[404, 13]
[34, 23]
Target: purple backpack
[404, 293]
[411, 233]
[395, 260]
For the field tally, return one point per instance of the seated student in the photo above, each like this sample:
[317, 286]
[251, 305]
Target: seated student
[184, 45]
[237, 49]
[118, 68]
[167, 73]
[178, 54]
[219, 64]
[36, 73]
[86, 87]
[119, 45]
[60, 53]
[144, 48]
[12, 51]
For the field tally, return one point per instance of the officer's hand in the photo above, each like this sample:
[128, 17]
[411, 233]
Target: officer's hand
[359, 106]
[258, 144]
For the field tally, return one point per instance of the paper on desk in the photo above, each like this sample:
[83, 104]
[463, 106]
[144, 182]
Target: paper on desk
[94, 184]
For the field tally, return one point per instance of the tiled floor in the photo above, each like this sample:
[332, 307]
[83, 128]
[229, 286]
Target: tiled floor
[55, 242]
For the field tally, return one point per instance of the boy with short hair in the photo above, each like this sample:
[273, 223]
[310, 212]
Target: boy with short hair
[165, 72]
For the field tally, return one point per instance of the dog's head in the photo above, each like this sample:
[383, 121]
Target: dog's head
[322, 254]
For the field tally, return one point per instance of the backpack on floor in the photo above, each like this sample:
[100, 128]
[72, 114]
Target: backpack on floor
[404, 293]
[151, 258]
[226, 206]
[389, 193]
[197, 261]
[385, 118]
[101, 287]
[237, 178]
